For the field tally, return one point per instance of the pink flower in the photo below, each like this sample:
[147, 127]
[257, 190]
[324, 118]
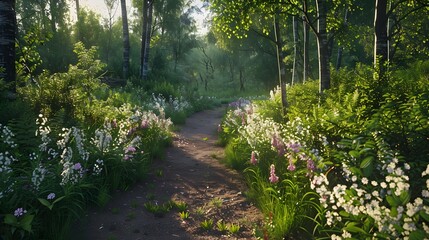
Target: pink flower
[253, 159]
[273, 178]
[130, 149]
[291, 167]
[131, 131]
[77, 166]
[310, 165]
[144, 124]
[294, 146]
[278, 145]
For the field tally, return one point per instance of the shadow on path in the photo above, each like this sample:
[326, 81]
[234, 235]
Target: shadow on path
[191, 173]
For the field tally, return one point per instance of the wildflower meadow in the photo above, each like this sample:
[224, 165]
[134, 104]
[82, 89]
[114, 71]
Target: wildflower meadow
[315, 179]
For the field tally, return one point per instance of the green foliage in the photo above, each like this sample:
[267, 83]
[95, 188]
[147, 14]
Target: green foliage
[221, 226]
[181, 206]
[184, 215]
[156, 209]
[28, 57]
[207, 224]
[354, 137]
[165, 89]
[236, 154]
[72, 91]
[233, 228]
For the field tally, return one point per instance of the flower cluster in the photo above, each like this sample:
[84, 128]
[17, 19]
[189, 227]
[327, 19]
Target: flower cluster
[98, 167]
[65, 159]
[273, 177]
[103, 137]
[6, 159]
[19, 212]
[43, 130]
[38, 176]
[50, 196]
[263, 134]
[161, 104]
[386, 202]
[6, 135]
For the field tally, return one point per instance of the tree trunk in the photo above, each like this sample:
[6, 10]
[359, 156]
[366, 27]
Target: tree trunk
[126, 41]
[77, 9]
[340, 48]
[7, 41]
[380, 34]
[323, 48]
[389, 33]
[280, 64]
[143, 72]
[306, 30]
[53, 9]
[147, 30]
[77, 20]
[242, 79]
[149, 34]
[295, 50]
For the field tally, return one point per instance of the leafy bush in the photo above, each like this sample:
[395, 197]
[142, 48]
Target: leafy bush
[72, 91]
[355, 150]
[67, 168]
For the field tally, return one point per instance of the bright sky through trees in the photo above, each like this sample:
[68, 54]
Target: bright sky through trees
[99, 7]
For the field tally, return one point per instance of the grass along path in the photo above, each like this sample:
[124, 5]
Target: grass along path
[189, 195]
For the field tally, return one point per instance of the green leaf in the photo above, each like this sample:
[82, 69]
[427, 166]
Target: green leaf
[26, 222]
[354, 153]
[392, 201]
[368, 224]
[10, 219]
[366, 162]
[354, 229]
[45, 203]
[417, 235]
[367, 172]
[394, 212]
[344, 214]
[356, 171]
[58, 199]
[424, 215]
[405, 197]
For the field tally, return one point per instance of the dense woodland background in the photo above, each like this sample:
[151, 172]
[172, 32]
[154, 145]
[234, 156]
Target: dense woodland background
[354, 73]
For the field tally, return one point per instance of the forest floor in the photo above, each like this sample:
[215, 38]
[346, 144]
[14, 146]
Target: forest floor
[192, 173]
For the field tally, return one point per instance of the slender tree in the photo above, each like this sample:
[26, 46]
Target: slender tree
[295, 49]
[305, 47]
[280, 63]
[111, 8]
[340, 48]
[77, 20]
[146, 37]
[7, 40]
[126, 41]
[380, 34]
[322, 42]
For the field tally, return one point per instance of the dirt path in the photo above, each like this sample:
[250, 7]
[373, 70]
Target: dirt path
[191, 173]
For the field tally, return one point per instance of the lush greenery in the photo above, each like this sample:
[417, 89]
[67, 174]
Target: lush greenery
[71, 140]
[351, 167]
[87, 102]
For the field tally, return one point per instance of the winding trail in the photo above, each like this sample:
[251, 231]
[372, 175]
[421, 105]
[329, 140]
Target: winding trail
[191, 173]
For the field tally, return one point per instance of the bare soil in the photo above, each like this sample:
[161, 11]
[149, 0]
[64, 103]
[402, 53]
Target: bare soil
[191, 172]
